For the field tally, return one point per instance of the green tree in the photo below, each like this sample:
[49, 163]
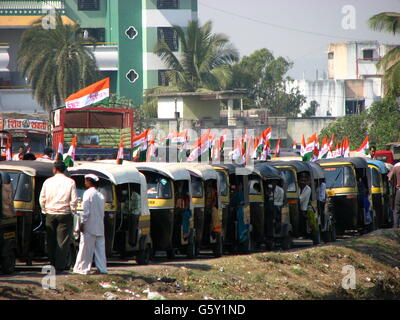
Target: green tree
[56, 62]
[264, 77]
[311, 110]
[205, 58]
[390, 64]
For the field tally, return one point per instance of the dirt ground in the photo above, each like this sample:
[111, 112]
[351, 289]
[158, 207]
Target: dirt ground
[302, 273]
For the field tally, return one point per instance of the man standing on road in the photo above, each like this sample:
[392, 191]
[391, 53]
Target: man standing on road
[92, 229]
[394, 178]
[58, 200]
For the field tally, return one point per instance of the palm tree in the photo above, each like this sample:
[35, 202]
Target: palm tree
[390, 64]
[56, 62]
[204, 61]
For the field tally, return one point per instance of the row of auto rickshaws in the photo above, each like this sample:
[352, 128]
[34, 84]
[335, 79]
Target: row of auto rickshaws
[189, 207]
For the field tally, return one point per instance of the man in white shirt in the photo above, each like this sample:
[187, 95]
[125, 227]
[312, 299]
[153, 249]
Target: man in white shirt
[305, 192]
[18, 156]
[58, 200]
[92, 229]
[278, 194]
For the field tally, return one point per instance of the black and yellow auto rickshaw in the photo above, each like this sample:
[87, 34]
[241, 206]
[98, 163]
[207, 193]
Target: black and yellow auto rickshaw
[27, 178]
[277, 225]
[206, 206]
[8, 225]
[171, 207]
[306, 223]
[382, 193]
[127, 216]
[236, 213]
[256, 201]
[348, 190]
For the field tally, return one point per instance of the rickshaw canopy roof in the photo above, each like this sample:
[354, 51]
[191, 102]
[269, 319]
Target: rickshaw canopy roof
[268, 172]
[171, 170]
[231, 168]
[30, 167]
[299, 166]
[380, 165]
[117, 174]
[318, 173]
[359, 163]
[204, 171]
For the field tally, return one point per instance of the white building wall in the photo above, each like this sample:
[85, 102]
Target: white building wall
[166, 107]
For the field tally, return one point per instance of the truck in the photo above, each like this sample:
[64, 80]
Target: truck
[98, 129]
[30, 132]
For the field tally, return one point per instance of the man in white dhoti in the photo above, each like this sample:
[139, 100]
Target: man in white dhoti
[92, 230]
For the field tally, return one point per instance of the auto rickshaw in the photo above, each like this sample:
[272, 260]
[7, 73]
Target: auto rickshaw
[348, 186]
[27, 178]
[207, 207]
[127, 216]
[277, 226]
[8, 225]
[306, 225]
[171, 208]
[382, 193]
[236, 207]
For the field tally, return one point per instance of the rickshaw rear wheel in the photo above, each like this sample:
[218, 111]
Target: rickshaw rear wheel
[143, 257]
[218, 247]
[8, 263]
[287, 242]
[316, 237]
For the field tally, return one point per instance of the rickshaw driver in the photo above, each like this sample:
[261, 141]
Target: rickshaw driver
[132, 204]
[278, 196]
[305, 192]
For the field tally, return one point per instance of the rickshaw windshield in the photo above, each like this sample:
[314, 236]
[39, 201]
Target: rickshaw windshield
[290, 180]
[339, 177]
[22, 186]
[197, 187]
[254, 187]
[158, 187]
[375, 177]
[223, 190]
[105, 188]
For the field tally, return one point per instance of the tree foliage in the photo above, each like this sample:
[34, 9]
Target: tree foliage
[264, 76]
[390, 64]
[56, 62]
[380, 123]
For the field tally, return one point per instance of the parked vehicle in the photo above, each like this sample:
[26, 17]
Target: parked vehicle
[207, 207]
[27, 178]
[236, 213]
[8, 225]
[309, 225]
[385, 156]
[171, 207]
[382, 193]
[348, 184]
[277, 227]
[127, 216]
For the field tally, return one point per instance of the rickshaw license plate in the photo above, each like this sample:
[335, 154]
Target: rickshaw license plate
[9, 235]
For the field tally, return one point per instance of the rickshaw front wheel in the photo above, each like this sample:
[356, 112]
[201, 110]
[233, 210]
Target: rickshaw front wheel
[8, 263]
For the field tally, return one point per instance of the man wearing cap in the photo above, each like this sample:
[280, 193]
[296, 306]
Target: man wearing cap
[92, 229]
[58, 200]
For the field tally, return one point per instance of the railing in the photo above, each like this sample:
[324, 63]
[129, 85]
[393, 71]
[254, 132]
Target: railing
[22, 7]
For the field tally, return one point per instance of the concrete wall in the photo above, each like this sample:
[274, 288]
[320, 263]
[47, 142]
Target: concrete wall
[18, 100]
[296, 127]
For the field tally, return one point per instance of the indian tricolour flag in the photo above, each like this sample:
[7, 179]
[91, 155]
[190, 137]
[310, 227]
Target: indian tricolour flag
[309, 148]
[69, 158]
[364, 146]
[92, 94]
[324, 150]
[139, 146]
[8, 149]
[201, 146]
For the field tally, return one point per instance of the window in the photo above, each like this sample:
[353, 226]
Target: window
[158, 187]
[223, 183]
[167, 4]
[162, 78]
[290, 180]
[331, 55]
[170, 36]
[98, 34]
[339, 177]
[368, 54]
[105, 188]
[355, 106]
[22, 186]
[88, 5]
[197, 187]
[254, 187]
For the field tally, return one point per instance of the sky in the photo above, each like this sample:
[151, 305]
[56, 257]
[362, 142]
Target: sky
[299, 30]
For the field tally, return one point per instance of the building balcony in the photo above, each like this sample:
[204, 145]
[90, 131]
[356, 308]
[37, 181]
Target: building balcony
[106, 55]
[33, 7]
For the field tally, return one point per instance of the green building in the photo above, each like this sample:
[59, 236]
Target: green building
[126, 31]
